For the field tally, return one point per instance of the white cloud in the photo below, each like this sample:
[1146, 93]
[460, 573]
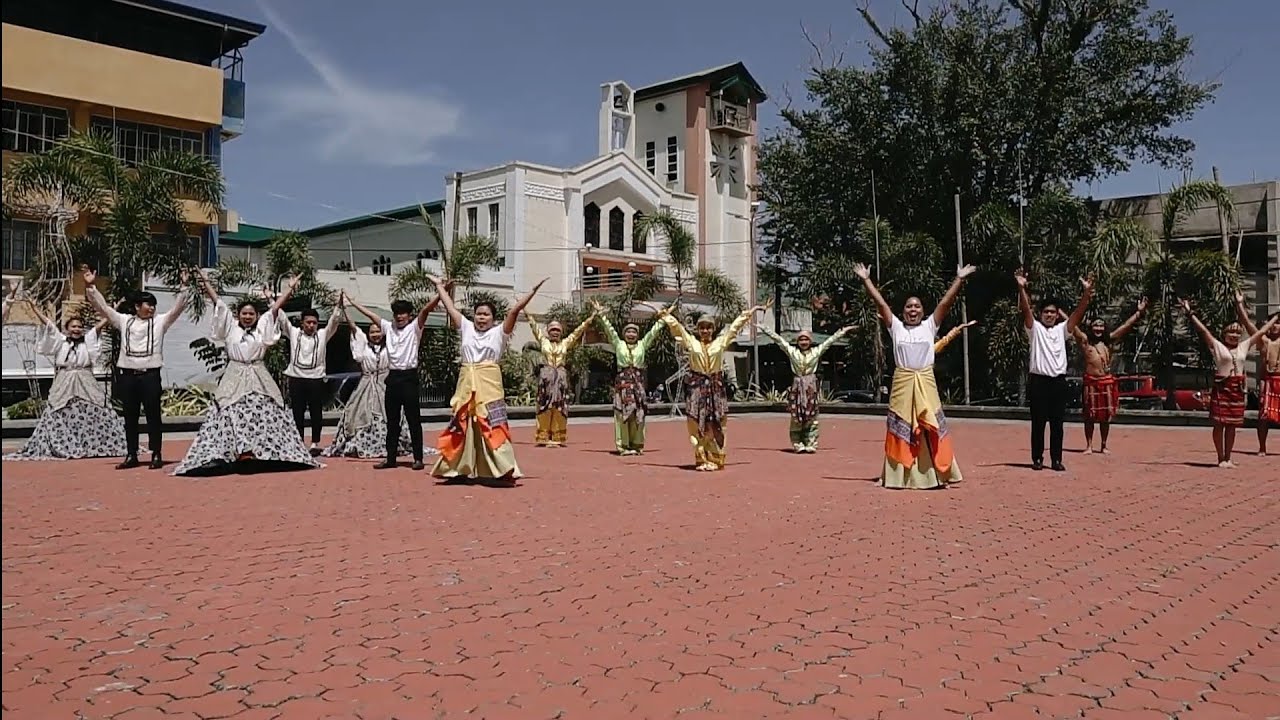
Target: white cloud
[357, 122]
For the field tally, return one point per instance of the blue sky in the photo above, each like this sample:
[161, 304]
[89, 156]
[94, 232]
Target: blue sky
[359, 108]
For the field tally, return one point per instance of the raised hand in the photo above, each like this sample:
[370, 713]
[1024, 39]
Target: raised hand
[969, 324]
[294, 281]
[862, 271]
[1186, 305]
[1087, 282]
[184, 275]
[848, 328]
[89, 276]
[1239, 298]
[966, 271]
[1020, 276]
[1143, 304]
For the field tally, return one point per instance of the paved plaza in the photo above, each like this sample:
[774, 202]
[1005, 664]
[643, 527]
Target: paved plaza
[1143, 586]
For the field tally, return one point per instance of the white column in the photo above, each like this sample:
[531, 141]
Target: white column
[573, 243]
[514, 229]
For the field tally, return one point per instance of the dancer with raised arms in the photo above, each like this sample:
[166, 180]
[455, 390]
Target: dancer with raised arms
[78, 420]
[706, 401]
[477, 443]
[1227, 401]
[553, 380]
[402, 337]
[802, 397]
[917, 445]
[142, 336]
[1047, 375]
[306, 371]
[630, 385]
[247, 425]
[1101, 400]
[1269, 383]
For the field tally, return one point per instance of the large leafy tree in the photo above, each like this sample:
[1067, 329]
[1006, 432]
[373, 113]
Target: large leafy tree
[139, 209]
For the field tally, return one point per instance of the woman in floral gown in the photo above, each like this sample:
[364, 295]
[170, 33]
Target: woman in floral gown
[248, 425]
[78, 420]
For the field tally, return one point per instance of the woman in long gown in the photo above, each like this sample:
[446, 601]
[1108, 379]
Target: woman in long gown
[553, 380]
[630, 395]
[917, 444]
[802, 398]
[78, 420]
[247, 425]
[1228, 399]
[706, 402]
[477, 443]
[362, 429]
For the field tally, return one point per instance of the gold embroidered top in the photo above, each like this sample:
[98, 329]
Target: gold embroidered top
[704, 358]
[556, 352]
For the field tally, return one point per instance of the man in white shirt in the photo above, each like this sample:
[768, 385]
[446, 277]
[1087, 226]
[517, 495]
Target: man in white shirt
[308, 383]
[1047, 379]
[138, 366]
[403, 338]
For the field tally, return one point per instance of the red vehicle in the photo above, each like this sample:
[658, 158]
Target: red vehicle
[1142, 392]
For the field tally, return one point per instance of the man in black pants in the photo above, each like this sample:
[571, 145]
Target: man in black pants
[1047, 381]
[403, 338]
[141, 357]
[308, 383]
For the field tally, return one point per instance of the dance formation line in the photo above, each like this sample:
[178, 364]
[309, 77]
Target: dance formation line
[249, 422]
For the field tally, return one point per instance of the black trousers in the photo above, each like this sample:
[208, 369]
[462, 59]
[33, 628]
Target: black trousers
[140, 390]
[308, 395]
[1048, 397]
[402, 397]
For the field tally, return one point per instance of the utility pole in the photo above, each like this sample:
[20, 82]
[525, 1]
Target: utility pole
[875, 223]
[964, 305]
[1222, 220]
[755, 298]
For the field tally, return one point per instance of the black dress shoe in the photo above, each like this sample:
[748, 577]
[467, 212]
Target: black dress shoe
[156, 462]
[1037, 465]
[129, 463]
[1059, 467]
[417, 465]
[385, 465]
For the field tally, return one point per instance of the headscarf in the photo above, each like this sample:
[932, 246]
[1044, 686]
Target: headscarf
[555, 324]
[706, 319]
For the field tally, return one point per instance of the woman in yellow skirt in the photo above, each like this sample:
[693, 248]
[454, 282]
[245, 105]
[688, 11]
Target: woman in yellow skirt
[553, 380]
[706, 405]
[917, 445]
[477, 443]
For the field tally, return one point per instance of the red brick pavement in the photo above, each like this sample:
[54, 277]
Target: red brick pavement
[787, 586]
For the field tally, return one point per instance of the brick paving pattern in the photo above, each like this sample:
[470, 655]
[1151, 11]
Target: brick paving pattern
[1142, 586]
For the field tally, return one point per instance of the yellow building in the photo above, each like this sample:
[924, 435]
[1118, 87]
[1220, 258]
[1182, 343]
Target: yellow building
[152, 73]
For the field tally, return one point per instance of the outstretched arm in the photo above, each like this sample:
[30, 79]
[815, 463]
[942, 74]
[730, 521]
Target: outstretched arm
[373, 316]
[534, 328]
[826, 344]
[1127, 326]
[513, 315]
[576, 335]
[100, 303]
[1024, 300]
[446, 299]
[1256, 338]
[1243, 315]
[953, 292]
[882, 307]
[1205, 335]
[949, 337]
[607, 327]
[44, 319]
[432, 305]
[1077, 315]
[678, 333]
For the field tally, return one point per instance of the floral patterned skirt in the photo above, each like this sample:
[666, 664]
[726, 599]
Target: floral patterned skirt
[79, 429]
[630, 398]
[252, 433]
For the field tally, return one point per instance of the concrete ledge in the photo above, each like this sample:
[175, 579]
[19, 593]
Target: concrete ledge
[1160, 418]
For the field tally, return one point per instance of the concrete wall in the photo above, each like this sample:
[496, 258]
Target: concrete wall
[64, 67]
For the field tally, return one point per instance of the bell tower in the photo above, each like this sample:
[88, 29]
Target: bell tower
[617, 118]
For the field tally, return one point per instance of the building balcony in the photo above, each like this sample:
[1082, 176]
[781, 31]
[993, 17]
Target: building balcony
[730, 118]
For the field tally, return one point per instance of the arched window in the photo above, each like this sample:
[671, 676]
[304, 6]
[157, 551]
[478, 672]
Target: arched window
[591, 225]
[617, 229]
[639, 243]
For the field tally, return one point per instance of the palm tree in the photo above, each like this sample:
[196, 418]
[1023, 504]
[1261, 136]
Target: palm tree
[1210, 278]
[83, 175]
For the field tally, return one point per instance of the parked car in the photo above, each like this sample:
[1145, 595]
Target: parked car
[1143, 392]
[856, 396]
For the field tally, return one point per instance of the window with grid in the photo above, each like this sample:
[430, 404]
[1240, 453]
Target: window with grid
[473, 221]
[591, 225]
[135, 141]
[651, 157]
[495, 234]
[195, 247]
[21, 244]
[639, 242]
[617, 229]
[673, 160]
[32, 128]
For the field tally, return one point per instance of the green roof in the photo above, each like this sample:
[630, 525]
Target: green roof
[249, 235]
[402, 213]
